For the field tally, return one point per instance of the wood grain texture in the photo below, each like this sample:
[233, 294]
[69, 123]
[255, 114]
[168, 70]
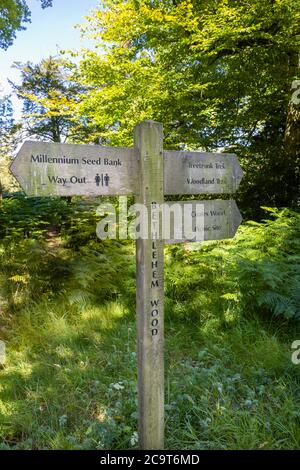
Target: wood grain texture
[47, 169]
[217, 220]
[150, 290]
[2, 353]
[200, 173]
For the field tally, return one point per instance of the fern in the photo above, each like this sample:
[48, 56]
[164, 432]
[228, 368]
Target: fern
[258, 271]
[279, 304]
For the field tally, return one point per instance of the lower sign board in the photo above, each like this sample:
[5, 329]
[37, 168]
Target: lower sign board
[47, 169]
[200, 220]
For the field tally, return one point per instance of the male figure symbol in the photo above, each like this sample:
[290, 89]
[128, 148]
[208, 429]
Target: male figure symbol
[104, 180]
[97, 179]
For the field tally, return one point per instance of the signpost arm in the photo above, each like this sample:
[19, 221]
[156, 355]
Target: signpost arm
[148, 138]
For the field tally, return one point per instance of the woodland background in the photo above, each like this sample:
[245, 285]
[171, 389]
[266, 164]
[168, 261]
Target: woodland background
[220, 76]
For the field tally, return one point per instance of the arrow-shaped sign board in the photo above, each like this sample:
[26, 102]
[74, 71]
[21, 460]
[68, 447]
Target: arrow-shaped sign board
[47, 169]
[191, 221]
[201, 173]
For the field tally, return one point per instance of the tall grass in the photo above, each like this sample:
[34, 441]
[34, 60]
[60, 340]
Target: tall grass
[68, 321]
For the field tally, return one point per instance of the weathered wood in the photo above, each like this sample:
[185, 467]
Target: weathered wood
[201, 173]
[150, 289]
[2, 353]
[47, 169]
[218, 219]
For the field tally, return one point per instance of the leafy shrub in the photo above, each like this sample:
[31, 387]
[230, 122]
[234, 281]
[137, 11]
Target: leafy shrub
[22, 217]
[256, 272]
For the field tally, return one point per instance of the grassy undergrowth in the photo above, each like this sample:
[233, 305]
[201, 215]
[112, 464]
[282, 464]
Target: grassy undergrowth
[70, 377]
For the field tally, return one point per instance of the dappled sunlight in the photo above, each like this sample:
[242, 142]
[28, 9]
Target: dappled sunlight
[228, 368]
[150, 225]
[103, 317]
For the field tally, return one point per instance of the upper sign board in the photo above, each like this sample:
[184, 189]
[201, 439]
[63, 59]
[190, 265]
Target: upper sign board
[47, 169]
[201, 173]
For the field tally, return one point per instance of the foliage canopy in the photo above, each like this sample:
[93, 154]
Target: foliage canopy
[13, 15]
[49, 93]
[217, 74]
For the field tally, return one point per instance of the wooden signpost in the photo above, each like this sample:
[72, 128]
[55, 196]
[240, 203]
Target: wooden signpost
[148, 138]
[148, 172]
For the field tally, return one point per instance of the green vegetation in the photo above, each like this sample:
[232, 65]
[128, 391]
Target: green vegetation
[221, 76]
[218, 75]
[13, 15]
[68, 318]
[49, 93]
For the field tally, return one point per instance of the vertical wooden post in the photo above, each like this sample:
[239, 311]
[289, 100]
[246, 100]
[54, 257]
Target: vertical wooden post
[148, 138]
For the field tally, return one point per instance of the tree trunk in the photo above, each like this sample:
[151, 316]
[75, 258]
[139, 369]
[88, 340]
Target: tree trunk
[55, 131]
[292, 130]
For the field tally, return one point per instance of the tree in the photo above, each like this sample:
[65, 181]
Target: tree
[13, 15]
[292, 128]
[6, 116]
[7, 141]
[217, 74]
[50, 93]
